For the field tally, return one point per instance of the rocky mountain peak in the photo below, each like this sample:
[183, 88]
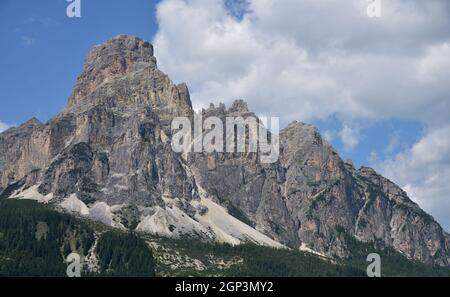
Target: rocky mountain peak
[121, 76]
[24, 129]
[127, 46]
[301, 132]
[238, 106]
[116, 57]
[298, 126]
[32, 122]
[349, 163]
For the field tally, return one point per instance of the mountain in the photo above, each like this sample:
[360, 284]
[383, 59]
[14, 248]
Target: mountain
[108, 157]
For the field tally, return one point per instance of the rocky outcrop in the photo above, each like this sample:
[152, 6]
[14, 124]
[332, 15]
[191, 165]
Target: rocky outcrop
[120, 112]
[121, 75]
[410, 229]
[108, 155]
[311, 194]
[23, 150]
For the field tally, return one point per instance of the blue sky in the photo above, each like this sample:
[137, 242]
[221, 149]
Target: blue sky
[42, 50]
[377, 88]
[377, 141]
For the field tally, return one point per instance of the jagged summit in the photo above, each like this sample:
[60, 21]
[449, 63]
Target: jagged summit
[296, 126]
[33, 121]
[115, 58]
[122, 74]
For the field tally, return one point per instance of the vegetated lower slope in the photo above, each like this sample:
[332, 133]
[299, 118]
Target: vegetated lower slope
[124, 254]
[393, 263]
[35, 240]
[190, 257]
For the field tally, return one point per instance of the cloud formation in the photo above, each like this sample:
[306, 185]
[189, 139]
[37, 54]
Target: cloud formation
[307, 60]
[3, 127]
[314, 57]
[349, 137]
[424, 173]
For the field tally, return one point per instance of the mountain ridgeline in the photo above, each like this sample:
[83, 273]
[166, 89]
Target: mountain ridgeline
[108, 157]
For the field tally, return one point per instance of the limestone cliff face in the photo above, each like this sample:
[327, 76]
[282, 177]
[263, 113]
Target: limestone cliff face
[121, 75]
[311, 194]
[108, 155]
[119, 111]
[327, 194]
[23, 149]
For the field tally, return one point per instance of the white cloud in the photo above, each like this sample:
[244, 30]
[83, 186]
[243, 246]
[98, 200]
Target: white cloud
[424, 173]
[328, 135]
[3, 127]
[349, 136]
[306, 59]
[309, 59]
[435, 66]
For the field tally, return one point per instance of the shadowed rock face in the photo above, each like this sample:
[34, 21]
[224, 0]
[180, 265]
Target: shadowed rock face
[112, 144]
